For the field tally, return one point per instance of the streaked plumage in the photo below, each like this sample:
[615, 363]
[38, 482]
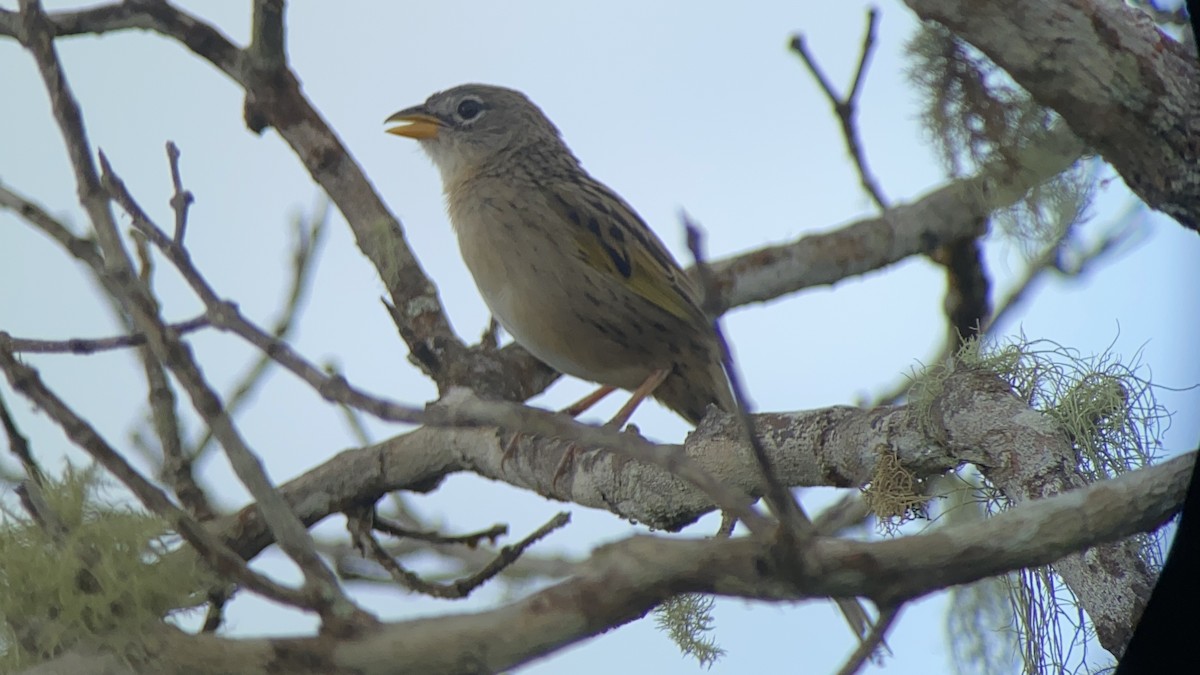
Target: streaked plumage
[565, 265]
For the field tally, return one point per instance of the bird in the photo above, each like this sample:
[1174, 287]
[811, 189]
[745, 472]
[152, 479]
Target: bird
[565, 265]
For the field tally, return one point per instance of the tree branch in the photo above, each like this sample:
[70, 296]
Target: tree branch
[846, 109]
[1129, 91]
[952, 212]
[93, 345]
[36, 33]
[624, 580]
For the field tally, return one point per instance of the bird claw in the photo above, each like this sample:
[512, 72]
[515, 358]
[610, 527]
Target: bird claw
[573, 450]
[569, 455]
[510, 448]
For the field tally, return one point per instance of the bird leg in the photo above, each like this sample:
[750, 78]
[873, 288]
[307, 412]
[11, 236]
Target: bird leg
[584, 404]
[645, 389]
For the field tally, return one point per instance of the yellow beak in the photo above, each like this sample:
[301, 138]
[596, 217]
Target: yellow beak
[414, 124]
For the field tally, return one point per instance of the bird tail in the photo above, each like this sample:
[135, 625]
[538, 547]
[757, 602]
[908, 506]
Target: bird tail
[692, 387]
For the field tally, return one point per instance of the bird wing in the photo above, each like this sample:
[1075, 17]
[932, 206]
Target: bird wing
[611, 237]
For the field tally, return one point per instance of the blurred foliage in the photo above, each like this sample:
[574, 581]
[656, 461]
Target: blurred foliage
[978, 120]
[100, 578]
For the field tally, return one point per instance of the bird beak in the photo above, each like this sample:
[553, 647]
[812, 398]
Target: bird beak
[415, 123]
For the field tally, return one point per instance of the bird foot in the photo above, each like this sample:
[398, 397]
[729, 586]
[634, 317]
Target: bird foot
[573, 450]
[510, 447]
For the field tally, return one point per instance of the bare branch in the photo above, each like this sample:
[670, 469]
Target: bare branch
[627, 578]
[1141, 119]
[949, 213]
[182, 199]
[471, 540]
[361, 528]
[797, 528]
[321, 584]
[83, 250]
[530, 567]
[323, 593]
[226, 316]
[36, 34]
[19, 445]
[176, 464]
[93, 345]
[846, 108]
[463, 407]
[871, 642]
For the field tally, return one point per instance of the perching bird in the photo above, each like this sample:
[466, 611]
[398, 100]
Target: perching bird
[565, 265]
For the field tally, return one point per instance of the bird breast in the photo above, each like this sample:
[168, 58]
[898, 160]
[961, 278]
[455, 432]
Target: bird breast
[535, 287]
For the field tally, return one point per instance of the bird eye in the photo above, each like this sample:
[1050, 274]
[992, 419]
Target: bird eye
[470, 108]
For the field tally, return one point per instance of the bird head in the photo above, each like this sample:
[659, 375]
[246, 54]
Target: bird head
[473, 125]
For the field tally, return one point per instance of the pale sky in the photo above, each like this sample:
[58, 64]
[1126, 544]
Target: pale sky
[676, 105]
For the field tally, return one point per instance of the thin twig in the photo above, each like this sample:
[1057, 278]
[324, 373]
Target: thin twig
[215, 615]
[320, 584]
[846, 108]
[865, 53]
[36, 34]
[30, 491]
[361, 526]
[321, 590]
[797, 527]
[472, 539]
[18, 444]
[83, 250]
[182, 199]
[781, 500]
[83, 346]
[509, 554]
[176, 466]
[226, 316]
[872, 642]
[530, 566]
